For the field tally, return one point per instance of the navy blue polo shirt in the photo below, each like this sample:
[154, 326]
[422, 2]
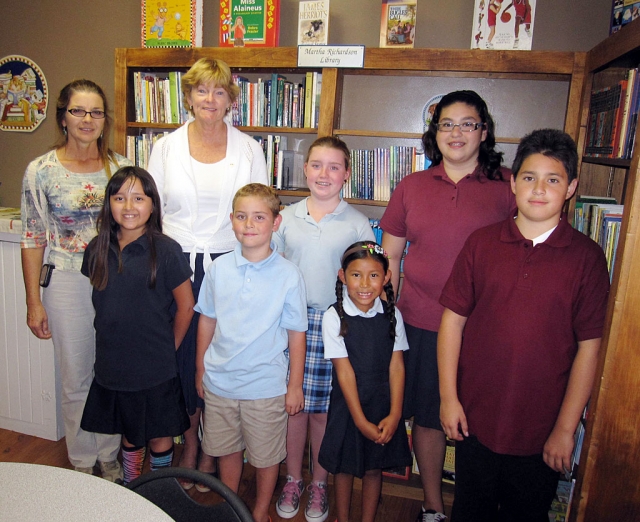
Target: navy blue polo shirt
[135, 345]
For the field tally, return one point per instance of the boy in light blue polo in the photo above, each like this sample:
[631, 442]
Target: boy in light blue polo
[253, 306]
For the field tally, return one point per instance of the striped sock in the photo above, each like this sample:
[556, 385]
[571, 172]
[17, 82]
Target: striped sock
[160, 460]
[132, 462]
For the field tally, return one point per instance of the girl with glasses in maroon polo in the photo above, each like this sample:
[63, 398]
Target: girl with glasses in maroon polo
[435, 211]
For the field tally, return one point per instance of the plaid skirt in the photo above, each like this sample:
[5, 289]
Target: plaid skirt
[317, 370]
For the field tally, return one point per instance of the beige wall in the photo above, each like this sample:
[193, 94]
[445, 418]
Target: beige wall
[71, 39]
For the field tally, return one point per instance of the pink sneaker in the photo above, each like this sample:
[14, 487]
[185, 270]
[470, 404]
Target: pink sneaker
[317, 509]
[289, 501]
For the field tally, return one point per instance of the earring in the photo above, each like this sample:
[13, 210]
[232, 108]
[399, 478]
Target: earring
[228, 110]
[191, 108]
[64, 130]
[101, 134]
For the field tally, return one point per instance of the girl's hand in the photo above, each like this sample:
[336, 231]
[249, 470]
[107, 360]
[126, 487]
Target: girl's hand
[387, 427]
[370, 430]
[199, 385]
[453, 419]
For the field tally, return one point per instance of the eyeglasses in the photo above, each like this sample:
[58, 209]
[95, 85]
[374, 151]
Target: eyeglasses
[467, 126]
[81, 113]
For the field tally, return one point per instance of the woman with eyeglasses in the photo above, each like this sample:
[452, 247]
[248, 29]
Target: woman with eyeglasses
[62, 194]
[198, 168]
[435, 211]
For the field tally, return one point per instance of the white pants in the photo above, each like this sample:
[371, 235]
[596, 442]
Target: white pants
[67, 301]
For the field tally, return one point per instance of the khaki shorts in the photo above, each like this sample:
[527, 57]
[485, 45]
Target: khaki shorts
[259, 426]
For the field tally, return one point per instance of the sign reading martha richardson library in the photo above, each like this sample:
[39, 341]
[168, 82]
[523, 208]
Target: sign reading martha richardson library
[343, 56]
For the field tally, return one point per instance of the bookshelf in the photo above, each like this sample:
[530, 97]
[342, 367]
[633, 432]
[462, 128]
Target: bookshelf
[400, 81]
[606, 486]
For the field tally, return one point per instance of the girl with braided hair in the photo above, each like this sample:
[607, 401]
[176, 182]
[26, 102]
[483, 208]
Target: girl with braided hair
[364, 337]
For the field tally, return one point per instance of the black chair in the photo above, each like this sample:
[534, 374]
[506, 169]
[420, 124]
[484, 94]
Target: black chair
[163, 489]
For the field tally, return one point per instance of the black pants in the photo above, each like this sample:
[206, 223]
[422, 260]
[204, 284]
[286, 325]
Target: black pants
[505, 488]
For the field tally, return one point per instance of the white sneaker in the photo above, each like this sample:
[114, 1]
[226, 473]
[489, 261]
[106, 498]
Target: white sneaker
[515, 43]
[317, 509]
[289, 501]
[528, 31]
[431, 516]
[489, 45]
[111, 471]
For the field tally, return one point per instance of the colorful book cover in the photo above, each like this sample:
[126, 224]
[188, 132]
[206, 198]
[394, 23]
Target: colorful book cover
[313, 22]
[398, 23]
[174, 23]
[623, 12]
[249, 23]
[503, 24]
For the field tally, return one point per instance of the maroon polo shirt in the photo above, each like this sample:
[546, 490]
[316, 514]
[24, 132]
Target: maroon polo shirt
[437, 215]
[527, 308]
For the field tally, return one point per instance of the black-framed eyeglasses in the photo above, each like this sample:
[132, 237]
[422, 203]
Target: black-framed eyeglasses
[81, 113]
[467, 126]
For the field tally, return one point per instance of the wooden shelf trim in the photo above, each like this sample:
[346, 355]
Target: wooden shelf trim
[609, 162]
[625, 41]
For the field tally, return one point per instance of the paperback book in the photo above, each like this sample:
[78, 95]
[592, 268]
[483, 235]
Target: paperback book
[249, 23]
[174, 23]
[398, 23]
[503, 24]
[313, 22]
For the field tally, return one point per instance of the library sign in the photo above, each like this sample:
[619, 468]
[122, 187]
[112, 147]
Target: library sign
[23, 94]
[342, 56]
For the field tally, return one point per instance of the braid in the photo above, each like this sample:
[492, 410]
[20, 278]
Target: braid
[340, 309]
[391, 309]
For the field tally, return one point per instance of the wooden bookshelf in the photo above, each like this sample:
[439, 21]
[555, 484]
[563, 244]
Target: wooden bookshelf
[346, 110]
[607, 482]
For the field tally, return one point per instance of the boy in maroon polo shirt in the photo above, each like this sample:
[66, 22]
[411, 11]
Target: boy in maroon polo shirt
[529, 294]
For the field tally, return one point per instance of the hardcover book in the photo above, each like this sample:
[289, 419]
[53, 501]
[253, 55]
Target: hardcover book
[503, 24]
[174, 23]
[249, 23]
[398, 23]
[313, 22]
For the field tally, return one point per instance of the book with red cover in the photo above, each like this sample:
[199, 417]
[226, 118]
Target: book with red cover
[253, 23]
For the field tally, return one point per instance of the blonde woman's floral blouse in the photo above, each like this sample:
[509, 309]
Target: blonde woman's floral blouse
[59, 208]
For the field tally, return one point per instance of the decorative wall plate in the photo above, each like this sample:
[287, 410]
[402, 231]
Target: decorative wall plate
[24, 94]
[430, 106]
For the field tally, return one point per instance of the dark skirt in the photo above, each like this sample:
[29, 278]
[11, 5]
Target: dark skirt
[345, 449]
[138, 415]
[186, 353]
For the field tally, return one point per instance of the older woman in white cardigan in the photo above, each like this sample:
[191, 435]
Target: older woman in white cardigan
[198, 168]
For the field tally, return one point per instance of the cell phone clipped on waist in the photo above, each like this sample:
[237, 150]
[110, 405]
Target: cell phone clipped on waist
[45, 274]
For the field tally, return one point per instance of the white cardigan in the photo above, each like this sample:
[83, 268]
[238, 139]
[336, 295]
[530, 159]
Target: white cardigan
[171, 167]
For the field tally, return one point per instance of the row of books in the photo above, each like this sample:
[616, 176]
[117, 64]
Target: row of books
[139, 147]
[613, 117]
[601, 220]
[285, 167]
[158, 97]
[277, 102]
[375, 173]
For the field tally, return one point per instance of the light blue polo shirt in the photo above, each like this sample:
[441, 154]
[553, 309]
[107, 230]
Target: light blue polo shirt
[254, 305]
[316, 248]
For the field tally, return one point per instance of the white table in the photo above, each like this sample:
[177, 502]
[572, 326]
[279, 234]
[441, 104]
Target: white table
[35, 493]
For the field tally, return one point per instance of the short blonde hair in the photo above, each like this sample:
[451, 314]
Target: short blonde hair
[208, 70]
[258, 190]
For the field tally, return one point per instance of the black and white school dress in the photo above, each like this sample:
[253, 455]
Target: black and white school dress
[369, 347]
